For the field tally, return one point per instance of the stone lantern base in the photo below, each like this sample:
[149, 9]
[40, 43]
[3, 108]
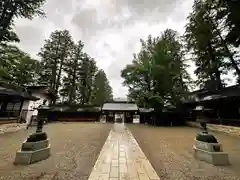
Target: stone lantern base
[211, 153]
[32, 152]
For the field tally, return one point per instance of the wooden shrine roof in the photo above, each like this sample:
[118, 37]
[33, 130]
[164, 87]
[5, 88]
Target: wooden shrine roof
[116, 106]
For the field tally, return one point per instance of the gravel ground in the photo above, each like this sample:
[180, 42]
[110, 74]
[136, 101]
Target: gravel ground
[12, 127]
[169, 149]
[74, 149]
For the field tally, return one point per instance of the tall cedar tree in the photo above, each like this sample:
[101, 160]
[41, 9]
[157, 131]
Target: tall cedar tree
[206, 47]
[228, 10]
[227, 17]
[54, 55]
[86, 74]
[71, 68]
[102, 90]
[214, 13]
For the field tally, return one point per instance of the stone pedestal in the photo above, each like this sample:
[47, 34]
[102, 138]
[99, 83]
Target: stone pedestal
[211, 153]
[33, 152]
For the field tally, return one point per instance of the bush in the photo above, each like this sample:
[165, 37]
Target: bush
[37, 137]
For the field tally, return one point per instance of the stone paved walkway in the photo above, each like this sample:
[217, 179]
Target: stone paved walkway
[121, 158]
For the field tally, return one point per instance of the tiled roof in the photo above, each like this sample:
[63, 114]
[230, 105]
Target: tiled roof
[146, 110]
[10, 90]
[74, 108]
[120, 107]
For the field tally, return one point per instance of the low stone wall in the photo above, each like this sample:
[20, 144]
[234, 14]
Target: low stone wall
[219, 128]
[7, 121]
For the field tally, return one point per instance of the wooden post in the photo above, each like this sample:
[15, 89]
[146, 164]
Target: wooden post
[20, 110]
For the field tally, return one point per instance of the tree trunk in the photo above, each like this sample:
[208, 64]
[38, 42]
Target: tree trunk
[73, 87]
[6, 17]
[53, 77]
[83, 92]
[3, 18]
[218, 79]
[59, 74]
[216, 68]
[5, 21]
[234, 64]
[54, 69]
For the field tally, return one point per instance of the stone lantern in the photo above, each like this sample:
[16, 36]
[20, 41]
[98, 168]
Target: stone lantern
[36, 147]
[206, 146]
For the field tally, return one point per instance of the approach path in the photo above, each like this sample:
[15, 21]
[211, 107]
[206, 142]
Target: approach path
[121, 158]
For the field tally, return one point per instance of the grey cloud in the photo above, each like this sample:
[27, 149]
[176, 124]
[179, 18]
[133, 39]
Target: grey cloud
[114, 69]
[180, 14]
[106, 45]
[29, 34]
[123, 13]
[61, 6]
[31, 38]
[106, 48]
[142, 8]
[57, 10]
[93, 25]
[87, 21]
[119, 90]
[123, 58]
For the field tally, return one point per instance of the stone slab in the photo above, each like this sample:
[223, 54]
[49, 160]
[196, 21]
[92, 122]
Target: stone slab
[211, 147]
[128, 162]
[33, 146]
[29, 157]
[215, 158]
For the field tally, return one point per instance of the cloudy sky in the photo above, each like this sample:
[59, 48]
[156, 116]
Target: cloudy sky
[110, 29]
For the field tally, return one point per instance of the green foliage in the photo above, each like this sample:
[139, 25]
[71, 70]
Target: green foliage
[228, 11]
[102, 90]
[8, 35]
[64, 68]
[72, 68]
[208, 44]
[157, 76]
[87, 72]
[10, 9]
[67, 70]
[17, 67]
[54, 55]
[204, 44]
[80, 70]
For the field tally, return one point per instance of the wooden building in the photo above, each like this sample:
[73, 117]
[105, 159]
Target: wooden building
[11, 103]
[145, 114]
[125, 108]
[74, 113]
[29, 109]
[224, 103]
